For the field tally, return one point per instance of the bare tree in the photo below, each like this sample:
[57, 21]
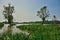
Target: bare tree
[43, 13]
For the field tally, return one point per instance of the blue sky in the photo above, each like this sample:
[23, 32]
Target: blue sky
[26, 10]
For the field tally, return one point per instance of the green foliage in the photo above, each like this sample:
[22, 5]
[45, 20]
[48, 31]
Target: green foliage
[42, 32]
[8, 10]
[43, 13]
[1, 25]
[7, 36]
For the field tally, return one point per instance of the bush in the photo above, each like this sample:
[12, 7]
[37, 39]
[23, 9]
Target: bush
[1, 25]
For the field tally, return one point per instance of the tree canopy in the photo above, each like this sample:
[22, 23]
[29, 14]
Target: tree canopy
[43, 13]
[8, 10]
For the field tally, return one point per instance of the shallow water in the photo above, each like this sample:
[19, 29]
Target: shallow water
[14, 29]
[22, 24]
[4, 29]
[17, 30]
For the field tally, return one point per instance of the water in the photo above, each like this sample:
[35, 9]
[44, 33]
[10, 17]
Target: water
[22, 24]
[14, 29]
[4, 29]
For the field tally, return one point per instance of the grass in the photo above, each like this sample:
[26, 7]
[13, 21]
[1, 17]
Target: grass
[42, 32]
[38, 32]
[8, 36]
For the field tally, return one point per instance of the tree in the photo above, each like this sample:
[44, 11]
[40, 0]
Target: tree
[43, 13]
[8, 10]
[54, 19]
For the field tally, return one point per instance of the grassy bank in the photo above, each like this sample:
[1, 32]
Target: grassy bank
[42, 32]
[37, 32]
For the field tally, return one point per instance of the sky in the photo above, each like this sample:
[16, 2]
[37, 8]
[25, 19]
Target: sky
[26, 10]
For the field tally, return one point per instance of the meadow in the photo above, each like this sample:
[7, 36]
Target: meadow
[42, 32]
[37, 32]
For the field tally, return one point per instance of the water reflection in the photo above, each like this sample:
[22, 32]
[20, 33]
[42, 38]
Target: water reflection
[22, 24]
[15, 30]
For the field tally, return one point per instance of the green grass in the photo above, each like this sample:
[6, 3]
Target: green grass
[38, 32]
[42, 32]
[9, 36]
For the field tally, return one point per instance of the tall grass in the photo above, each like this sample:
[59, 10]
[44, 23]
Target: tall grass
[37, 32]
[8, 36]
[42, 32]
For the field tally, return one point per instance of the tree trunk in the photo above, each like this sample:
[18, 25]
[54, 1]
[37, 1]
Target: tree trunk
[43, 20]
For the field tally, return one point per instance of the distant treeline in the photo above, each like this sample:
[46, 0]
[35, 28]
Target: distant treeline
[46, 22]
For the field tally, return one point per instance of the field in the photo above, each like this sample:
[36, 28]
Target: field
[42, 32]
[37, 32]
